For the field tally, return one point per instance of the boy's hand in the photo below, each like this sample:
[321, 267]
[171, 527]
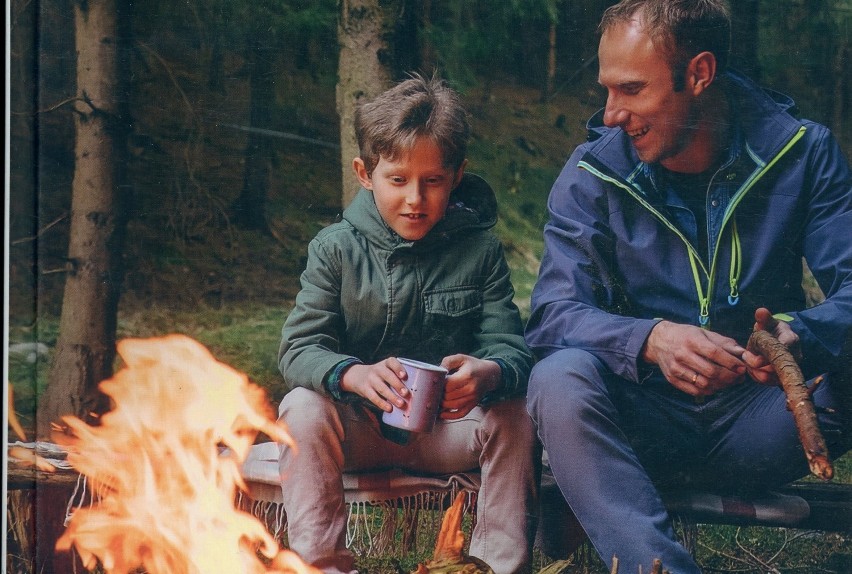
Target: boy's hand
[469, 380]
[377, 382]
[759, 368]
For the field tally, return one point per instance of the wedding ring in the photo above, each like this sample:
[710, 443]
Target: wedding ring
[694, 378]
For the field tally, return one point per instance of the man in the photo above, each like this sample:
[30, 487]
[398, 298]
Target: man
[673, 232]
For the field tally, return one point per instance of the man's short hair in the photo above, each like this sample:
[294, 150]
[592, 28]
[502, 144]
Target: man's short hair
[389, 125]
[681, 29]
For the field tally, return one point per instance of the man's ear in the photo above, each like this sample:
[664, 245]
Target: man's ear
[360, 170]
[701, 72]
[459, 174]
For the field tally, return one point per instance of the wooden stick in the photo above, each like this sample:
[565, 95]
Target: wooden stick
[799, 400]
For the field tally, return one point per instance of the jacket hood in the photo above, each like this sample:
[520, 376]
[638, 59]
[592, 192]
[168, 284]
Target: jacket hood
[767, 118]
[472, 207]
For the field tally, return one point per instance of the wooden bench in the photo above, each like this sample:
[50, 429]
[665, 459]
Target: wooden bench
[802, 505]
[383, 503]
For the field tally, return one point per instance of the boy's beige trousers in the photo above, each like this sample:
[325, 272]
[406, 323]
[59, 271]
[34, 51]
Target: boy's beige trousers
[333, 437]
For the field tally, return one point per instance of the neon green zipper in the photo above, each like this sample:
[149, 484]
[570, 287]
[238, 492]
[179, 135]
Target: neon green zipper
[695, 262]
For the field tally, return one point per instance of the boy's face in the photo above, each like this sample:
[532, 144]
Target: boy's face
[411, 193]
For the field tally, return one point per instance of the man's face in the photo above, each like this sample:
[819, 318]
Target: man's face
[640, 96]
[411, 193]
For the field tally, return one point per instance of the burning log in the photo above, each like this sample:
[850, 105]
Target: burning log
[449, 556]
[799, 401]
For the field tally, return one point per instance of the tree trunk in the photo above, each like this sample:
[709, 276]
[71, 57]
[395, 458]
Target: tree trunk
[85, 349]
[428, 59]
[839, 101]
[250, 208]
[550, 75]
[745, 22]
[362, 75]
[23, 126]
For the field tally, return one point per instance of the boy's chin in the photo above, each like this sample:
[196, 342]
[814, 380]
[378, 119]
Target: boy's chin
[413, 234]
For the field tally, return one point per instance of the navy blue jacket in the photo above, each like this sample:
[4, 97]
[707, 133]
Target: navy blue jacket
[620, 248]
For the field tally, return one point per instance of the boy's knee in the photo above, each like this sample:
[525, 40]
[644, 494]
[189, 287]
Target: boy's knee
[510, 416]
[303, 407]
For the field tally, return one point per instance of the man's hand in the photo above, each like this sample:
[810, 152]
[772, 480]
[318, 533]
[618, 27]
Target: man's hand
[694, 360]
[377, 383]
[759, 368]
[469, 380]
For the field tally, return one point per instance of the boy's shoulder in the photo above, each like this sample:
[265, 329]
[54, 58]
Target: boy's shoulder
[341, 226]
[336, 236]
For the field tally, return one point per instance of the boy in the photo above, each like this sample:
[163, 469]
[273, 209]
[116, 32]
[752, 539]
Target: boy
[411, 271]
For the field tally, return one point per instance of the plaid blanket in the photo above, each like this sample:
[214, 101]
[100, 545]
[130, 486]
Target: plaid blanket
[381, 504]
[260, 470]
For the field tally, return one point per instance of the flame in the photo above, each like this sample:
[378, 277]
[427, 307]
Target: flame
[165, 493]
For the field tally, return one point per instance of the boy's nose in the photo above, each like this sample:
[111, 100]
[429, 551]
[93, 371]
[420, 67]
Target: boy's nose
[414, 192]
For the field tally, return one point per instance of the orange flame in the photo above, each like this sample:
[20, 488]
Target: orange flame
[165, 492]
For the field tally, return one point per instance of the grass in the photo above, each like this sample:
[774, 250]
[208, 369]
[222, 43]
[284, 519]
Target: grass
[247, 339]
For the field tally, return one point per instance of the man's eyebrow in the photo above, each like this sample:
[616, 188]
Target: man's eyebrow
[631, 85]
[627, 84]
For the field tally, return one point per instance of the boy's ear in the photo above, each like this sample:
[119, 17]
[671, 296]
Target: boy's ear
[360, 170]
[459, 174]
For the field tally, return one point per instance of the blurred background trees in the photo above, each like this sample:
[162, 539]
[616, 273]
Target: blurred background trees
[229, 146]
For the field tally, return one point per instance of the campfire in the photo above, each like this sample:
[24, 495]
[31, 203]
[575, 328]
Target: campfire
[163, 466]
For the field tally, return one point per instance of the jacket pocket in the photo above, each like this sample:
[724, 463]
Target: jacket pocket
[452, 318]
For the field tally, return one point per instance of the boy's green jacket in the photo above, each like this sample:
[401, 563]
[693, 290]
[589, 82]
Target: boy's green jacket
[367, 294]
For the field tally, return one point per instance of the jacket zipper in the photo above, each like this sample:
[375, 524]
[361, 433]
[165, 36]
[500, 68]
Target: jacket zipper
[694, 258]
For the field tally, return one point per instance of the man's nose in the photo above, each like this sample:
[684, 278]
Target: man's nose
[614, 114]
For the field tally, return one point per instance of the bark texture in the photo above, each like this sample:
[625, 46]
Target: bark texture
[85, 348]
[362, 75]
[799, 401]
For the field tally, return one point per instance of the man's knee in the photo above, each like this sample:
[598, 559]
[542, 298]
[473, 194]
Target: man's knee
[564, 370]
[562, 381]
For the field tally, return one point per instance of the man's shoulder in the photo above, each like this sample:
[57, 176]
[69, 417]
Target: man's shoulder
[608, 150]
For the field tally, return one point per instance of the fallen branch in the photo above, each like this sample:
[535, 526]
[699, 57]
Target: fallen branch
[799, 400]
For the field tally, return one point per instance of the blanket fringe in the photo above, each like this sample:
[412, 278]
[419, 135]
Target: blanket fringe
[397, 527]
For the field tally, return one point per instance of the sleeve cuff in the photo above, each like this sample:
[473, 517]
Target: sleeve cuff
[499, 393]
[332, 381]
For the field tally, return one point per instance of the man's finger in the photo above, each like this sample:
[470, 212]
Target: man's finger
[763, 320]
